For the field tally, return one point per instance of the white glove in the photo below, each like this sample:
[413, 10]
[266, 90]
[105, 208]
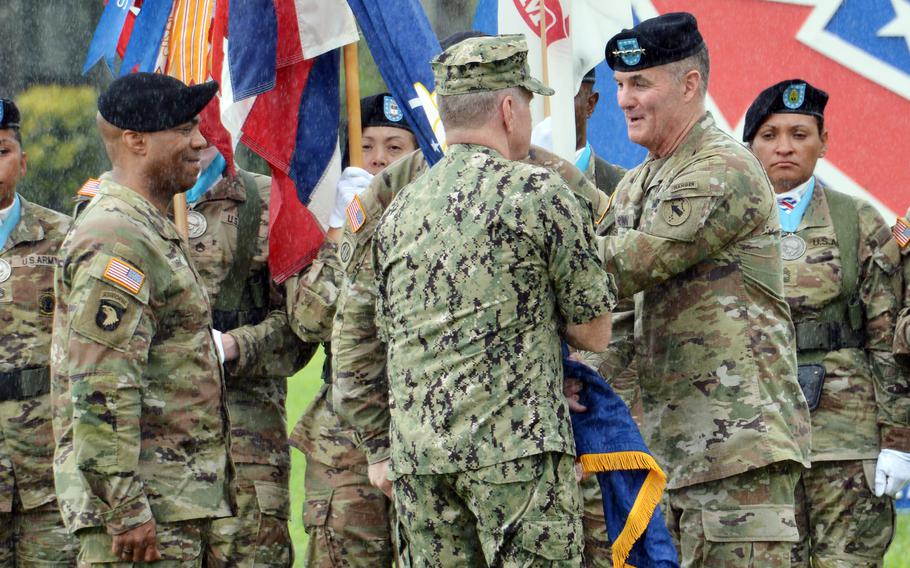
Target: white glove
[353, 181]
[542, 134]
[219, 346]
[892, 472]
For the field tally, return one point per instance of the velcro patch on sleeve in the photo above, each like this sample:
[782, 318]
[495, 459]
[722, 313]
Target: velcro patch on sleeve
[356, 215]
[901, 231]
[124, 274]
[89, 188]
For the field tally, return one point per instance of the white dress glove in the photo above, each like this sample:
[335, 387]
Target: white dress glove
[353, 181]
[219, 346]
[892, 472]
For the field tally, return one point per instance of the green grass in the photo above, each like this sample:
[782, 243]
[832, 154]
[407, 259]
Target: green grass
[303, 386]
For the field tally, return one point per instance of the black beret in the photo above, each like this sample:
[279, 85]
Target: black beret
[149, 102]
[590, 76]
[382, 110]
[655, 41]
[9, 114]
[791, 96]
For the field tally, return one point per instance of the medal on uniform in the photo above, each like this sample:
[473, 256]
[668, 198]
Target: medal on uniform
[196, 224]
[792, 247]
[5, 270]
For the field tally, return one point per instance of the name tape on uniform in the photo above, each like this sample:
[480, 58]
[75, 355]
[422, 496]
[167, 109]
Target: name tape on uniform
[124, 274]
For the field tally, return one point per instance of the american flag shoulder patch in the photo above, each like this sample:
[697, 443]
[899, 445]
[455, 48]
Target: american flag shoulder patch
[901, 231]
[89, 188]
[124, 274]
[356, 214]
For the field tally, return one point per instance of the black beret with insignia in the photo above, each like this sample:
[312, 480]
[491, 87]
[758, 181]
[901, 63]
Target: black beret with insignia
[791, 96]
[149, 102]
[655, 41]
[9, 114]
[382, 110]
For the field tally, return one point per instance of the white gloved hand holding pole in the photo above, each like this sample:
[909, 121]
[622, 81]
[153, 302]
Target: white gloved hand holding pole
[892, 472]
[353, 182]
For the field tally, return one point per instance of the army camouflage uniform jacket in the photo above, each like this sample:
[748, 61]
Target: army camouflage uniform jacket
[27, 300]
[698, 233]
[139, 413]
[863, 398]
[268, 351]
[360, 385]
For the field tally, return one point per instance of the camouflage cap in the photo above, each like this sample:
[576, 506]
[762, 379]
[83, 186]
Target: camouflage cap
[481, 64]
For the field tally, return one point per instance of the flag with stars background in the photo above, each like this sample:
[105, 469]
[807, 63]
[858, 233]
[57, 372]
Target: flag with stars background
[856, 50]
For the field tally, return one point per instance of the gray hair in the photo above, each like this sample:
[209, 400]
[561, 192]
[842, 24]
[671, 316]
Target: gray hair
[474, 110]
[699, 62]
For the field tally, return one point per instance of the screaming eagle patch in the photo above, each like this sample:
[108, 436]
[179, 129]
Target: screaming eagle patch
[110, 314]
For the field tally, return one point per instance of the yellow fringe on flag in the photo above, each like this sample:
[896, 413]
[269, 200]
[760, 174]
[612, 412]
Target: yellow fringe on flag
[646, 501]
[188, 46]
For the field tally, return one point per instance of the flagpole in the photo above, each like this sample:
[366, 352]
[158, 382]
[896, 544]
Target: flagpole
[180, 216]
[544, 46]
[352, 92]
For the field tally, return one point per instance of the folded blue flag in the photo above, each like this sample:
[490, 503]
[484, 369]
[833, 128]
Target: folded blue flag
[609, 444]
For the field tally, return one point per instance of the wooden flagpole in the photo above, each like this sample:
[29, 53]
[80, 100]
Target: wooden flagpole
[544, 45]
[352, 92]
[180, 216]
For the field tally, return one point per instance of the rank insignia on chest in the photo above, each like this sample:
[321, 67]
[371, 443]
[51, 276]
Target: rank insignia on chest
[356, 214]
[900, 230]
[89, 188]
[109, 314]
[124, 274]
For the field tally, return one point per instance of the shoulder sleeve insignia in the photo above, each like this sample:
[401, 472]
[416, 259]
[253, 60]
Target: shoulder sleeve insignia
[901, 231]
[124, 274]
[89, 188]
[356, 215]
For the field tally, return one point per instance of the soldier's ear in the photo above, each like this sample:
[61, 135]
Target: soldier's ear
[135, 142]
[824, 150]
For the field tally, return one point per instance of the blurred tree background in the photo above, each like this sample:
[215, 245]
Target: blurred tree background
[45, 44]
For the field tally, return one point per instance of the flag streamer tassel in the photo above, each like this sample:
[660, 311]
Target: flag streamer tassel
[646, 502]
[544, 47]
[180, 216]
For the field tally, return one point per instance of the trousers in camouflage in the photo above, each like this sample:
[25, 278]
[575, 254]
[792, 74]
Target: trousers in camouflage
[525, 512]
[346, 518]
[181, 545]
[36, 538]
[746, 520]
[257, 536]
[841, 521]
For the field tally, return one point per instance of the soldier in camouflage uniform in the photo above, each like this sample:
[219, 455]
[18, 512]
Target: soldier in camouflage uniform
[698, 239]
[142, 463]
[346, 518]
[493, 258]
[901, 230]
[31, 529]
[842, 281]
[228, 238]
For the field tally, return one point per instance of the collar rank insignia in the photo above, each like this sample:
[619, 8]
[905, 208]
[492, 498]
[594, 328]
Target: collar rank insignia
[391, 109]
[124, 275]
[89, 188]
[356, 215]
[794, 95]
[901, 231]
[629, 51]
